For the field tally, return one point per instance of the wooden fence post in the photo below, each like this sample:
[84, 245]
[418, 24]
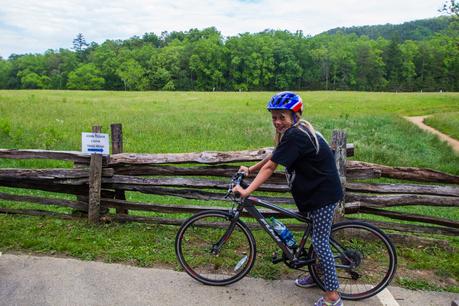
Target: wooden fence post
[339, 145]
[117, 147]
[95, 182]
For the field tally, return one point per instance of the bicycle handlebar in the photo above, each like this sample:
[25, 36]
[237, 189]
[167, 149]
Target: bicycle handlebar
[237, 179]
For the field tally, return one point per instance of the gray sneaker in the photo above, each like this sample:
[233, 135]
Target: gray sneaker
[322, 302]
[305, 281]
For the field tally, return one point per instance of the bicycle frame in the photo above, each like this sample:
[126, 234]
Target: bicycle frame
[250, 203]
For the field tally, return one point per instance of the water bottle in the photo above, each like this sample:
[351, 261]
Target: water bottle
[283, 232]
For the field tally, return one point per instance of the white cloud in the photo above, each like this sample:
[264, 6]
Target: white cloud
[34, 26]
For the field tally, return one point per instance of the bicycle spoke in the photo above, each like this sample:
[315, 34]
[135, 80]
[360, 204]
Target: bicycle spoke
[365, 260]
[195, 245]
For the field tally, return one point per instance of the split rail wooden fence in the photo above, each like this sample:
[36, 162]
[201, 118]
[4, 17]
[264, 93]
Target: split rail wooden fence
[100, 183]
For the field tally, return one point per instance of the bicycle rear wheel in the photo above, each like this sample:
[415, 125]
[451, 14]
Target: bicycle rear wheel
[196, 248]
[365, 260]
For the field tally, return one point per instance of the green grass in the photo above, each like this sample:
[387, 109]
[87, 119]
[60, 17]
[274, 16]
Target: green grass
[164, 122]
[417, 284]
[447, 123]
[134, 243]
[169, 122]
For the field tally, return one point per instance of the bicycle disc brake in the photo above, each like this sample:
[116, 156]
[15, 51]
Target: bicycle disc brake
[352, 258]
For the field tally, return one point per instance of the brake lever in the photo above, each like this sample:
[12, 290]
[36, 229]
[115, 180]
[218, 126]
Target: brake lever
[227, 193]
[236, 180]
[230, 189]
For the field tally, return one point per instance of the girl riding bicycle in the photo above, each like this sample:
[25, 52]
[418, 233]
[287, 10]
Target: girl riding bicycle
[312, 177]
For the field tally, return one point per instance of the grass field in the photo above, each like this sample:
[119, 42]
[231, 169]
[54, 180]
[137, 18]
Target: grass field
[199, 121]
[167, 122]
[447, 123]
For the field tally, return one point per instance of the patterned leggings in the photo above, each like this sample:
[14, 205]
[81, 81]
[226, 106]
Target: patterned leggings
[322, 220]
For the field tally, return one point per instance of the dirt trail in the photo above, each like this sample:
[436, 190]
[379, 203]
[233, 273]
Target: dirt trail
[419, 121]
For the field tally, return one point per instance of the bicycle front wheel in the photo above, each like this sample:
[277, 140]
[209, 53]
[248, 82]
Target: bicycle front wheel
[365, 260]
[212, 252]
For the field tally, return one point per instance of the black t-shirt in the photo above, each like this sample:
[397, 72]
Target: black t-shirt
[316, 181]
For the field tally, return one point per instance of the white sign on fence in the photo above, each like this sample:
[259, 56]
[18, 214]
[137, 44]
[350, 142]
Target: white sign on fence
[95, 143]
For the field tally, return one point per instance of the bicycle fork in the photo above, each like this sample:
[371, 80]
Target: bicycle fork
[216, 247]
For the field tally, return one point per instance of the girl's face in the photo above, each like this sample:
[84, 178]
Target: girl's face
[282, 120]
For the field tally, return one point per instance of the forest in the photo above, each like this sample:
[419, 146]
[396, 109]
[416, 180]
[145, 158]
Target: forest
[421, 55]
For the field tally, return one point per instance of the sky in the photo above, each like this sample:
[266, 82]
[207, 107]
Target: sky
[34, 26]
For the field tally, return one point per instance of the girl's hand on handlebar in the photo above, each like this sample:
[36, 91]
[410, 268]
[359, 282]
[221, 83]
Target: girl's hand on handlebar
[245, 170]
[241, 192]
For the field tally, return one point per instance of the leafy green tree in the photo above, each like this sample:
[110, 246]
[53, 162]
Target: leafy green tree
[164, 66]
[166, 37]
[241, 66]
[309, 78]
[342, 62]
[287, 69]
[160, 77]
[321, 57]
[79, 45]
[31, 80]
[31, 62]
[142, 55]
[169, 86]
[152, 39]
[5, 73]
[444, 62]
[409, 50]
[251, 61]
[369, 66]
[85, 77]
[59, 65]
[393, 59]
[133, 75]
[23, 65]
[435, 61]
[423, 62]
[450, 38]
[105, 58]
[207, 61]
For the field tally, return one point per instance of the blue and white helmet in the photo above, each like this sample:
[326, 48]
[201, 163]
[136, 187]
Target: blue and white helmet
[286, 100]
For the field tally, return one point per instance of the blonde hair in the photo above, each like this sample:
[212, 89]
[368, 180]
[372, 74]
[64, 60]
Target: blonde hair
[304, 126]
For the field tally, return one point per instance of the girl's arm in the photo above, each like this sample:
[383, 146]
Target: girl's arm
[265, 172]
[256, 167]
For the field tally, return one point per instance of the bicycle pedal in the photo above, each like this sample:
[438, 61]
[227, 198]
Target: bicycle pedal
[275, 258]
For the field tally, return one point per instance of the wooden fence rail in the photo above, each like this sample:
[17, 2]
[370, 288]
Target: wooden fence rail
[408, 173]
[100, 183]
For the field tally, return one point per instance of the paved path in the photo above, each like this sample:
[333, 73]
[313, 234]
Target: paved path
[419, 121]
[32, 280]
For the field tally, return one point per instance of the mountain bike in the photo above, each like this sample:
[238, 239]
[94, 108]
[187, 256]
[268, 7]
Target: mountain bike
[218, 248]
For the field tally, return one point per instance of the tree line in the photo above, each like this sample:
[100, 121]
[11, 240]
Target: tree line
[204, 60]
[412, 30]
